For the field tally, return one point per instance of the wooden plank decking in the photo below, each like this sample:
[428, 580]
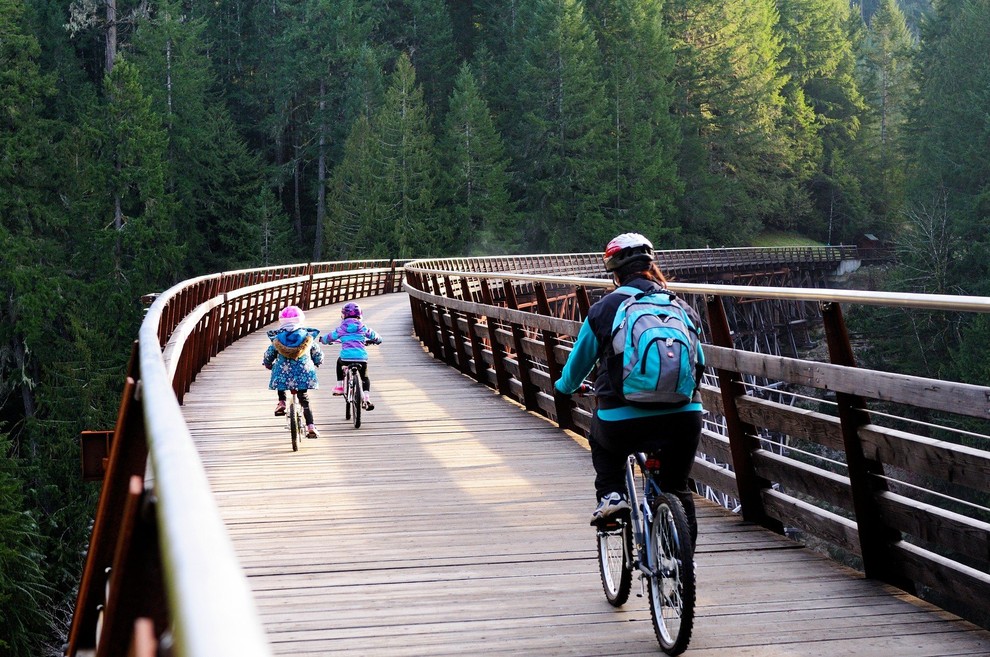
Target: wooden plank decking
[453, 522]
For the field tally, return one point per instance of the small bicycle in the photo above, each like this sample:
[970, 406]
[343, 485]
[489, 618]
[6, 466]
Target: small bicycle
[652, 537]
[353, 387]
[294, 421]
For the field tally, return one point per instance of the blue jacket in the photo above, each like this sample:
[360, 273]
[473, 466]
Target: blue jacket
[352, 334]
[589, 348]
[293, 357]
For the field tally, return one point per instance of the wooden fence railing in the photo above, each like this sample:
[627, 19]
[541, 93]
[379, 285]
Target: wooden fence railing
[160, 576]
[824, 449]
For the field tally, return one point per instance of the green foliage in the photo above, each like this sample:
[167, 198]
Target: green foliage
[24, 596]
[482, 219]
[637, 61]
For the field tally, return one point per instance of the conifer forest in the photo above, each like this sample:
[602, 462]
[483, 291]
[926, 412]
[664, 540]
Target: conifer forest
[144, 142]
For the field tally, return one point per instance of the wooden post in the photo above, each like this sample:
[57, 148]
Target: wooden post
[459, 353]
[529, 392]
[865, 475]
[562, 405]
[498, 351]
[742, 439]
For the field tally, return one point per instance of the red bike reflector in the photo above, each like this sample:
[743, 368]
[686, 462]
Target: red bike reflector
[652, 463]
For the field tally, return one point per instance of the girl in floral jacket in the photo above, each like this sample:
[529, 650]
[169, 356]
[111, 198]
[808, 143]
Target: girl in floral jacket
[293, 357]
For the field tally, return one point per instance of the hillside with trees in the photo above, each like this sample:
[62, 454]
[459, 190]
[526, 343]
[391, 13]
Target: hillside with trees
[145, 142]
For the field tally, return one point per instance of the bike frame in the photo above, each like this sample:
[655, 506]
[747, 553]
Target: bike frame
[641, 515]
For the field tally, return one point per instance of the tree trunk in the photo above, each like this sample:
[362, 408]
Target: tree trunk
[321, 201]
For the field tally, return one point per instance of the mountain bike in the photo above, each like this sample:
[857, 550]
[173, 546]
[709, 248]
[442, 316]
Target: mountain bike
[653, 538]
[294, 421]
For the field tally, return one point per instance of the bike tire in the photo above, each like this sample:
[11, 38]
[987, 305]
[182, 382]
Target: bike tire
[673, 587]
[294, 427]
[355, 394]
[615, 560]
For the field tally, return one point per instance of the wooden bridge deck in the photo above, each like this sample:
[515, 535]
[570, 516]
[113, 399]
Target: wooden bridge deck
[454, 522]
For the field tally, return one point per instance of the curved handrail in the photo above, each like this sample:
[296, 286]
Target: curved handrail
[513, 331]
[162, 543]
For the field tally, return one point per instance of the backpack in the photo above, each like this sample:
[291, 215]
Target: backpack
[655, 357]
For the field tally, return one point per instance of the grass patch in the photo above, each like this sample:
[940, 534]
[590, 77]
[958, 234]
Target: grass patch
[769, 239]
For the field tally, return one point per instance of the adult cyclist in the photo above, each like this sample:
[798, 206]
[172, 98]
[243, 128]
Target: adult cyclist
[618, 428]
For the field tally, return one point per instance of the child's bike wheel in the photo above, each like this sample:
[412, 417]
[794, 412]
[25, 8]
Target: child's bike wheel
[672, 589]
[615, 559]
[294, 431]
[355, 395]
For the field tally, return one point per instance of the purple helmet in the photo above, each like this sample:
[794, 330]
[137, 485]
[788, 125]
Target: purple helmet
[350, 310]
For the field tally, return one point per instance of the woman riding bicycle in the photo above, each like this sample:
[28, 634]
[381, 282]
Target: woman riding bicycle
[352, 334]
[618, 428]
[293, 357]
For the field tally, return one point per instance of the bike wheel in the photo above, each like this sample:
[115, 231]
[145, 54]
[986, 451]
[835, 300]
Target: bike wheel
[294, 426]
[355, 394]
[615, 561]
[672, 588]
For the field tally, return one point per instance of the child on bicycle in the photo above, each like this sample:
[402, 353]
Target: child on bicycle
[618, 428]
[352, 334]
[293, 357]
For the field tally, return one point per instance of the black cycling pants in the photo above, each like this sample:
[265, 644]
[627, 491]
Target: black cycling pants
[362, 367]
[673, 436]
[303, 396]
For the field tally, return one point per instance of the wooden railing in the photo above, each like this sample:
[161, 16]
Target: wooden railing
[160, 576]
[824, 450]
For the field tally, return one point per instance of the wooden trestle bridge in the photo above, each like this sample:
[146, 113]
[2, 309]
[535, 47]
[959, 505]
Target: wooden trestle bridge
[454, 521]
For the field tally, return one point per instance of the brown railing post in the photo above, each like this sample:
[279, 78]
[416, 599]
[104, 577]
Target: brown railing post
[498, 350]
[522, 360]
[562, 405]
[455, 329]
[128, 456]
[865, 475]
[742, 436]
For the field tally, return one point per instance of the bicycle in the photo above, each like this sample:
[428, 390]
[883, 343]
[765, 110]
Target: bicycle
[294, 421]
[353, 387]
[352, 394]
[652, 537]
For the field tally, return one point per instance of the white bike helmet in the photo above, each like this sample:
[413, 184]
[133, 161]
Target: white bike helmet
[627, 248]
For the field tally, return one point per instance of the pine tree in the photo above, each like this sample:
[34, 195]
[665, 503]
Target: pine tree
[424, 31]
[888, 50]
[638, 59]
[210, 174]
[823, 111]
[385, 190]
[729, 97]
[562, 153]
[474, 175]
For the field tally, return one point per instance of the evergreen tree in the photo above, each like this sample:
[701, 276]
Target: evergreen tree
[644, 138]
[475, 176]
[729, 95]
[887, 52]
[562, 153]
[386, 188]
[423, 30]
[211, 174]
[822, 114]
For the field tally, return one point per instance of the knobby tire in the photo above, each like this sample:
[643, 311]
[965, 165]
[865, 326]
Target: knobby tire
[615, 560]
[672, 589]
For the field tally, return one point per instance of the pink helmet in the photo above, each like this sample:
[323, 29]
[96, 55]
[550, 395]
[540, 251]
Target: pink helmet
[350, 310]
[291, 317]
[627, 248]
